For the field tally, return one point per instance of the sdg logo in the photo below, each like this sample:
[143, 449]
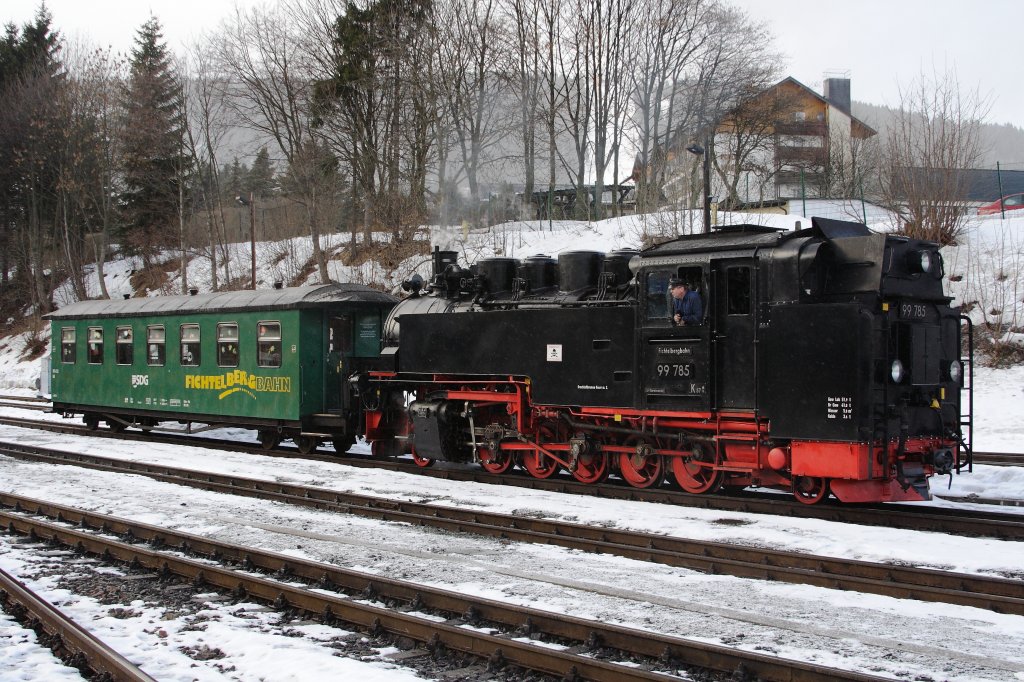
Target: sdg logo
[140, 380]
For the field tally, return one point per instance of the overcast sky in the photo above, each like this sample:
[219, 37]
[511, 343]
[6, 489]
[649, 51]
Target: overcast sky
[882, 44]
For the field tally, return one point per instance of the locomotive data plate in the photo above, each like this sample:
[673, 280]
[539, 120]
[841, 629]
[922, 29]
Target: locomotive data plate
[912, 311]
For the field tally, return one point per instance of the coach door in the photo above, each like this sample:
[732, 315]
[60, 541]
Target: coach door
[675, 360]
[339, 351]
[733, 336]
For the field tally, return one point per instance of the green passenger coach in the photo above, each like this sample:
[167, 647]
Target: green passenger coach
[275, 360]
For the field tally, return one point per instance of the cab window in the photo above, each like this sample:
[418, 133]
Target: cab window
[227, 345]
[190, 355]
[95, 349]
[659, 302]
[125, 346]
[156, 346]
[658, 297]
[67, 345]
[738, 290]
[268, 344]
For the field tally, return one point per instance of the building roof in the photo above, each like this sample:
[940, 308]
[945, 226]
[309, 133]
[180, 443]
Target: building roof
[861, 129]
[224, 302]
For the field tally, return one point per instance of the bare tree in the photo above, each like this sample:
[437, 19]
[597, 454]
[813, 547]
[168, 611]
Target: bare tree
[575, 104]
[668, 35]
[469, 72]
[612, 27]
[260, 51]
[934, 137]
[95, 91]
[207, 118]
[746, 141]
[526, 76]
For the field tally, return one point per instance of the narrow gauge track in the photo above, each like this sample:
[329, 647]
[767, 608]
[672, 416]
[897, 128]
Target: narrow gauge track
[996, 594]
[579, 641]
[971, 523]
[993, 458]
[25, 398]
[24, 405]
[68, 640]
[1014, 459]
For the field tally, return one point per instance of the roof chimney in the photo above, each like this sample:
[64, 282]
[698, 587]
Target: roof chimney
[837, 93]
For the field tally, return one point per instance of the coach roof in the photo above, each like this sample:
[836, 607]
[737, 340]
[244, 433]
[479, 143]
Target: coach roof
[224, 302]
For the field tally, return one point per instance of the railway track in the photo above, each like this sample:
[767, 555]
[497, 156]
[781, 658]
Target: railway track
[503, 634]
[968, 522]
[995, 594]
[68, 640]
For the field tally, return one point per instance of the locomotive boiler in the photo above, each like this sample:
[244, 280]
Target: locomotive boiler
[827, 360]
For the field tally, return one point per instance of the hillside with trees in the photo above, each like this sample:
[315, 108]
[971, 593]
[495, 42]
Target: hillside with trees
[1003, 143]
[368, 120]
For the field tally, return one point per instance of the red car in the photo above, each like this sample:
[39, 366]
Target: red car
[1008, 203]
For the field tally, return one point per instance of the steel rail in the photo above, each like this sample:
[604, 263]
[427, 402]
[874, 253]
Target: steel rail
[1000, 595]
[970, 523]
[72, 641]
[314, 599]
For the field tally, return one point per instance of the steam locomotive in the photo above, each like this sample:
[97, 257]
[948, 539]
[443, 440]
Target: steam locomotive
[827, 360]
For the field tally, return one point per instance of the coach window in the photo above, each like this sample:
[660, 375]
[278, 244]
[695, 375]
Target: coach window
[67, 345]
[156, 346]
[269, 344]
[190, 356]
[95, 350]
[227, 345]
[125, 346]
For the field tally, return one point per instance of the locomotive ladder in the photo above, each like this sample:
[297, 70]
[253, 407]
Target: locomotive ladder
[967, 413]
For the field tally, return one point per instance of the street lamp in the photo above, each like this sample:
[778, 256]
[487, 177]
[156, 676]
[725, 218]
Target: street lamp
[698, 150]
[251, 203]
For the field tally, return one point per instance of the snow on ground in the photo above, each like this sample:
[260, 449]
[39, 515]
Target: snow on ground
[254, 644]
[793, 621]
[801, 622]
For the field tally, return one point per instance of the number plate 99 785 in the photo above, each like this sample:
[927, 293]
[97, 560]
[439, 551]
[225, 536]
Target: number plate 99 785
[674, 370]
[912, 311]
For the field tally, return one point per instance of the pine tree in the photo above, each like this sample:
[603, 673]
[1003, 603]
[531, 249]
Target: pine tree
[261, 175]
[156, 163]
[235, 180]
[32, 81]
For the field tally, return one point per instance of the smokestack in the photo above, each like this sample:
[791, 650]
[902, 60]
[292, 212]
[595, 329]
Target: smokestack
[837, 93]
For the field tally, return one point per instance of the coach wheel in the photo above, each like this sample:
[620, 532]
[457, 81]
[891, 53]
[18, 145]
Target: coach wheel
[495, 462]
[641, 468]
[269, 439]
[421, 461]
[306, 444]
[91, 421]
[342, 443]
[810, 489]
[536, 463]
[591, 468]
[696, 474]
[116, 426]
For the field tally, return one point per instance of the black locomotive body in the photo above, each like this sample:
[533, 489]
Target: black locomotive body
[827, 359]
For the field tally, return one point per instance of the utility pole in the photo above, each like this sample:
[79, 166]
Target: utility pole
[252, 235]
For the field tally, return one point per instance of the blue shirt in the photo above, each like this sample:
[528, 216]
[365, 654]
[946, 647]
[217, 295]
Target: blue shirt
[689, 307]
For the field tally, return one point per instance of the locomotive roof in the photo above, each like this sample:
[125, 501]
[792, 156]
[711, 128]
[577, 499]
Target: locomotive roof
[732, 237]
[224, 301]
